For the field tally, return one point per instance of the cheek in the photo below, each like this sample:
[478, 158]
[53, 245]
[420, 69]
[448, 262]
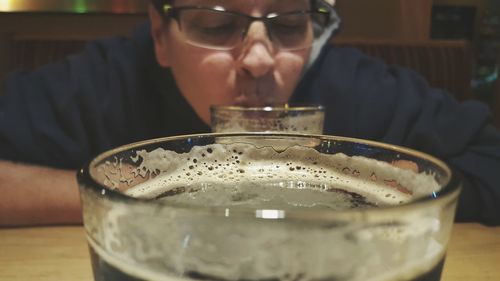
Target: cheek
[289, 67]
[213, 74]
[204, 78]
[217, 68]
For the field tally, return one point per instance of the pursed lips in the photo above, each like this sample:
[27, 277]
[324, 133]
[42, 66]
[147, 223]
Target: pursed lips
[256, 94]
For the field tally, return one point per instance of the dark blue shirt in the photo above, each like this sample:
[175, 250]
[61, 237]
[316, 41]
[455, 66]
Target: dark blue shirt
[114, 93]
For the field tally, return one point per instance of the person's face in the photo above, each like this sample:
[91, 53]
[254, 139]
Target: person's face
[254, 73]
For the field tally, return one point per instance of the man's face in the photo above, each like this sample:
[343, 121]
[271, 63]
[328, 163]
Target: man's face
[254, 73]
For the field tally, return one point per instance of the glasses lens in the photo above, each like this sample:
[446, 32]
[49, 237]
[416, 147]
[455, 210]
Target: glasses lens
[291, 30]
[295, 31]
[224, 30]
[212, 29]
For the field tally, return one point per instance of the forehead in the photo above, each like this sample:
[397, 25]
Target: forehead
[246, 5]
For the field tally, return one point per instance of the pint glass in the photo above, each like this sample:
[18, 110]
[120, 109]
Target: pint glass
[300, 207]
[306, 119]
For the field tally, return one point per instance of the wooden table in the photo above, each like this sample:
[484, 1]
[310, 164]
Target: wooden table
[60, 253]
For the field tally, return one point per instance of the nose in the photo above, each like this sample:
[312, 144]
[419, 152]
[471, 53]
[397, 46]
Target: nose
[257, 57]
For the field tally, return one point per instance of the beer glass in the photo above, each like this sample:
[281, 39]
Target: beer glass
[301, 207]
[307, 119]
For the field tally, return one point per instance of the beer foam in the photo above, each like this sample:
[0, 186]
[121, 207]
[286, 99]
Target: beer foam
[240, 249]
[242, 162]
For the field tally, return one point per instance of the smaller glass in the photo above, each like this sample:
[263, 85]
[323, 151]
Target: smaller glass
[289, 119]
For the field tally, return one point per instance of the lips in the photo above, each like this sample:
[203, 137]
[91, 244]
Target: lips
[256, 94]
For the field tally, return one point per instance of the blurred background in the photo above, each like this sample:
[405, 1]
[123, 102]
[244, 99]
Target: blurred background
[455, 44]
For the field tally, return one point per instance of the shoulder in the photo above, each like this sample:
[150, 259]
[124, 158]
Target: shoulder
[138, 45]
[86, 103]
[101, 64]
[346, 76]
[367, 98]
[349, 67]
[126, 55]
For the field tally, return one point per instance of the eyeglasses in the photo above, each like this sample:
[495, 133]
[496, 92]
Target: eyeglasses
[220, 29]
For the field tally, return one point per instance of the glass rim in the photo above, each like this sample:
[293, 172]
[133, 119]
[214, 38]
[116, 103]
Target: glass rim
[270, 108]
[447, 193]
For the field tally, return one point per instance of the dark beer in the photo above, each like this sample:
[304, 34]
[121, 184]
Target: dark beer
[104, 271]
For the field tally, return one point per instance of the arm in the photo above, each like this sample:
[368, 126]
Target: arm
[56, 118]
[35, 195]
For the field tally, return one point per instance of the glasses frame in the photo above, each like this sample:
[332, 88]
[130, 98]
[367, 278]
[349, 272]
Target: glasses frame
[170, 12]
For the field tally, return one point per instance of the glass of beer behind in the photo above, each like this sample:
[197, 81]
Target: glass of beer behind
[301, 207]
[306, 119]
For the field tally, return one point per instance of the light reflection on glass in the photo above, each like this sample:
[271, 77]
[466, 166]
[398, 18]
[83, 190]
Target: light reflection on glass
[270, 214]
